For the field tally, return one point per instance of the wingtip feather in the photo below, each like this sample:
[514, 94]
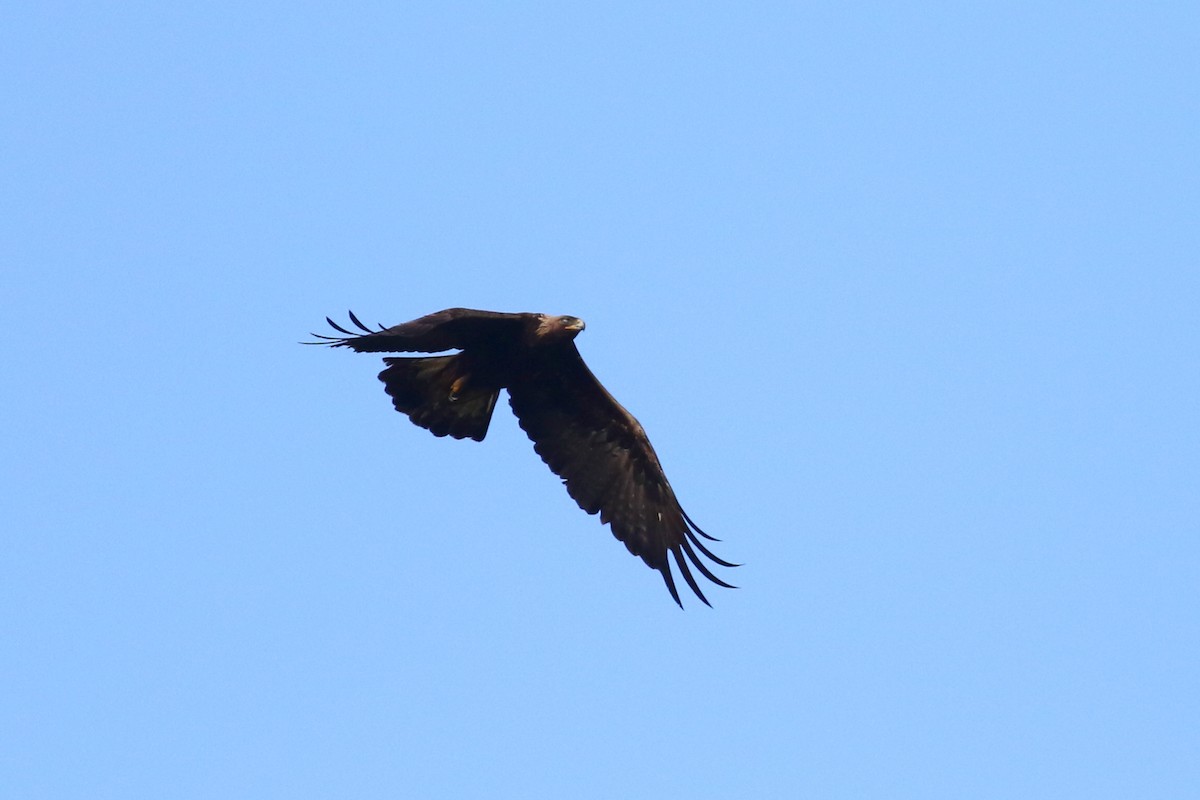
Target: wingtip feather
[696, 527]
[669, 579]
[339, 328]
[356, 321]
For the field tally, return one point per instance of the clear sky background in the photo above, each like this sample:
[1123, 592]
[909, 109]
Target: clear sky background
[907, 298]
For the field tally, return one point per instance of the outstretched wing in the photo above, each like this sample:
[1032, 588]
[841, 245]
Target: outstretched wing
[603, 456]
[452, 329]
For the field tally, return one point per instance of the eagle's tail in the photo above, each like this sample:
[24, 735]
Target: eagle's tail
[436, 393]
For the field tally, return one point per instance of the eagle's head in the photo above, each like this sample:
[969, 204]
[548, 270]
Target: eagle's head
[558, 329]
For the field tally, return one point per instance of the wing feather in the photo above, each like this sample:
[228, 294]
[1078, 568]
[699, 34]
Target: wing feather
[452, 329]
[607, 463]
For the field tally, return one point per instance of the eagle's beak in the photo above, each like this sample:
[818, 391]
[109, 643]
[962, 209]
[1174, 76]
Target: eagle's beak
[577, 325]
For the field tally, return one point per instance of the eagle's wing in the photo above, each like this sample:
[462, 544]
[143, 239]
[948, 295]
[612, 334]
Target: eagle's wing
[603, 456]
[452, 329]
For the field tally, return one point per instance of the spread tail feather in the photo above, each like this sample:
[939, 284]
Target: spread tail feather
[436, 393]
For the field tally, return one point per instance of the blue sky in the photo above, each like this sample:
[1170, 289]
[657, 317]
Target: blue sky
[906, 297]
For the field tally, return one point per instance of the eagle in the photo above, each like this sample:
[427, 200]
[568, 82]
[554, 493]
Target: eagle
[581, 432]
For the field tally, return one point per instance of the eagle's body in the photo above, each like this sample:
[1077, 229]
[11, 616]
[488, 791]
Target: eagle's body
[582, 433]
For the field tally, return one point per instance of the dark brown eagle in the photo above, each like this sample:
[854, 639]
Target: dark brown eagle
[582, 433]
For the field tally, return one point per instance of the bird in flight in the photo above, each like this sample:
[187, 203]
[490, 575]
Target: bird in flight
[582, 433]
